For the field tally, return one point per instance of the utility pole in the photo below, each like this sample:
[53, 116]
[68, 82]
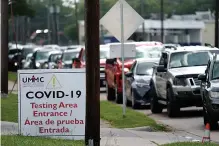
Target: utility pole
[4, 46]
[48, 22]
[162, 20]
[76, 22]
[92, 128]
[142, 14]
[55, 34]
[216, 23]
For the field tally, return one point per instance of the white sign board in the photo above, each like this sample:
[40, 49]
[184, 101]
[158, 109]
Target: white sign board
[116, 51]
[112, 21]
[52, 103]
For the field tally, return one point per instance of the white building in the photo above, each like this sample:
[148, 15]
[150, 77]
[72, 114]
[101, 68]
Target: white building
[175, 31]
[193, 29]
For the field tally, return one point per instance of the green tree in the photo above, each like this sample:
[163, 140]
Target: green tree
[21, 8]
[71, 32]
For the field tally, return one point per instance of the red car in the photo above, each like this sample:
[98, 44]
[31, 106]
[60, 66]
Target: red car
[79, 62]
[113, 70]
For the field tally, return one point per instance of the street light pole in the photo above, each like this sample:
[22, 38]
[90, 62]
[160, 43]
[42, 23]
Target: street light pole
[76, 22]
[162, 20]
[142, 14]
[216, 23]
[54, 11]
[92, 30]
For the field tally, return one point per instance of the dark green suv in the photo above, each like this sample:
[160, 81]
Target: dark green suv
[210, 92]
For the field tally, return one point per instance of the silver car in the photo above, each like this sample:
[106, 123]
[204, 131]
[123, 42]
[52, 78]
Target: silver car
[175, 80]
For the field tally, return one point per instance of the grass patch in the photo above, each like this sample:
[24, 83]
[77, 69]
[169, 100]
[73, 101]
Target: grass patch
[9, 107]
[16, 140]
[190, 144]
[113, 114]
[12, 76]
[108, 111]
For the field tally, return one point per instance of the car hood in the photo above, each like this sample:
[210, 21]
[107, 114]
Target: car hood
[127, 63]
[188, 70]
[142, 78]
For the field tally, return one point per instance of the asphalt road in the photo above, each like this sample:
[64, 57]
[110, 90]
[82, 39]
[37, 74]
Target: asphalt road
[190, 120]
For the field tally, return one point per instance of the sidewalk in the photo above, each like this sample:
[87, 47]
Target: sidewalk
[121, 137]
[10, 87]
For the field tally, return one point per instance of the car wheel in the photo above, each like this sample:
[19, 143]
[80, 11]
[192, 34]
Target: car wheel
[110, 93]
[155, 106]
[118, 96]
[134, 104]
[173, 109]
[207, 119]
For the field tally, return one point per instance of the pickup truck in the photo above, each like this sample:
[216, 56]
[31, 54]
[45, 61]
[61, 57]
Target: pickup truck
[113, 69]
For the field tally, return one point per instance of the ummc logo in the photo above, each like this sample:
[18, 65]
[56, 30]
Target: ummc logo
[33, 79]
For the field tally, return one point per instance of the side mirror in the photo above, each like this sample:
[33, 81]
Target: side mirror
[129, 74]
[202, 77]
[161, 68]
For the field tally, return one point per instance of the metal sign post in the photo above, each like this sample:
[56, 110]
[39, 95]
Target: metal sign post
[122, 48]
[115, 23]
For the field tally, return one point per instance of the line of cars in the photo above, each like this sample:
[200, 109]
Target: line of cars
[31, 56]
[180, 77]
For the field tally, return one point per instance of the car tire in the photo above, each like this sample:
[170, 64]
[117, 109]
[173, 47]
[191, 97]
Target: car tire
[154, 105]
[118, 96]
[207, 119]
[173, 109]
[110, 93]
[134, 104]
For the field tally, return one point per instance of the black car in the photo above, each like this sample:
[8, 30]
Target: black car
[210, 93]
[14, 58]
[137, 82]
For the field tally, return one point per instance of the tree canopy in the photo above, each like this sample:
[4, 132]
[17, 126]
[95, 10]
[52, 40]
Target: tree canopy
[21, 8]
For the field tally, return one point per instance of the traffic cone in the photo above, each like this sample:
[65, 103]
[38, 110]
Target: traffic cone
[206, 137]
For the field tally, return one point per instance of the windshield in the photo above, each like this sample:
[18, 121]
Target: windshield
[26, 51]
[54, 57]
[42, 55]
[68, 56]
[14, 51]
[145, 68]
[149, 52]
[215, 71]
[188, 59]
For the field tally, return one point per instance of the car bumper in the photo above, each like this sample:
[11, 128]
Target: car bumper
[142, 95]
[187, 96]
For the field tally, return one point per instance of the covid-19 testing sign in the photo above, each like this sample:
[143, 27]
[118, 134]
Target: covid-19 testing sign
[52, 103]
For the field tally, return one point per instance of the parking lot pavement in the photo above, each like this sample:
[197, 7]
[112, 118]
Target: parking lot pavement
[190, 121]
